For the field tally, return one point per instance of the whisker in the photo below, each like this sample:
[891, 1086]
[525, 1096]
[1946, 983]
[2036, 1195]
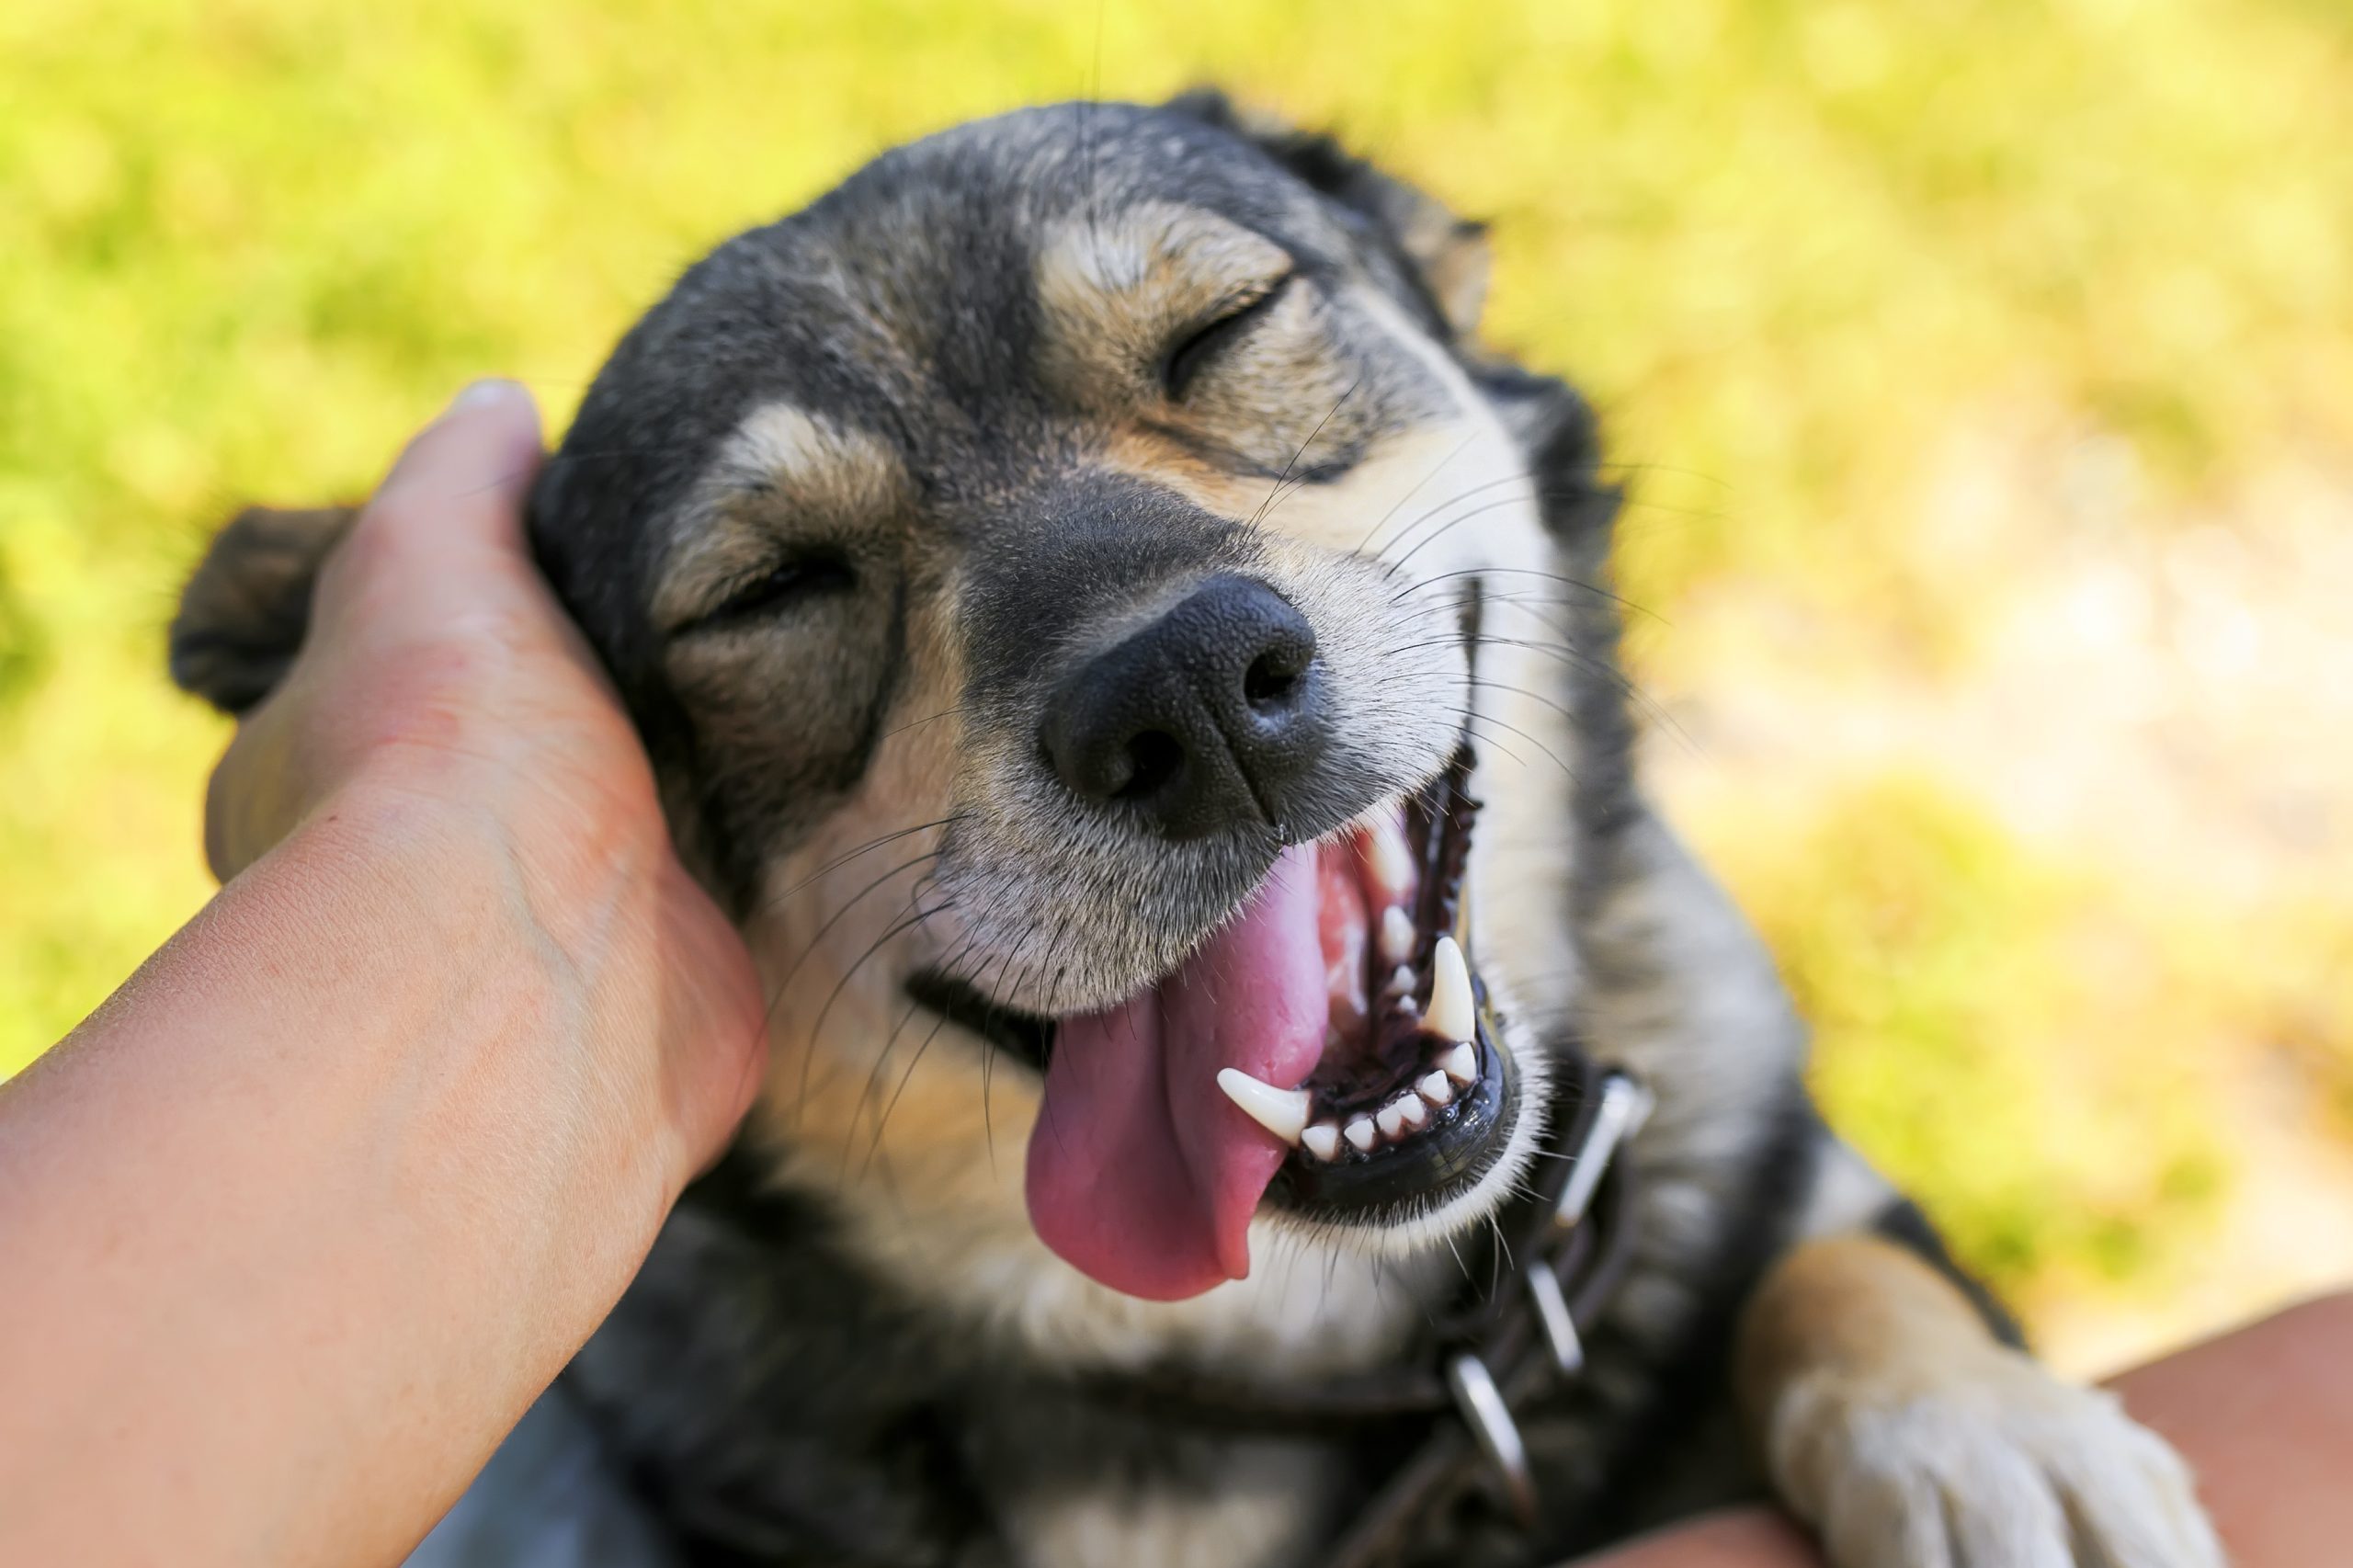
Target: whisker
[809, 1044]
[1664, 467]
[1490, 741]
[1517, 599]
[988, 1050]
[1428, 513]
[836, 918]
[905, 1078]
[1268, 505]
[1451, 524]
[873, 1083]
[1568, 656]
[1567, 634]
[930, 718]
[895, 928]
[874, 1078]
[1522, 571]
[891, 1044]
[1471, 718]
[1397, 506]
[846, 857]
[1536, 698]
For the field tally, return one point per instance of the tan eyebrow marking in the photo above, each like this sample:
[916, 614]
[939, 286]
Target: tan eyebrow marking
[781, 460]
[1112, 287]
[818, 462]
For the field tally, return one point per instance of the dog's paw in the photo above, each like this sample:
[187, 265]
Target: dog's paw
[1992, 1463]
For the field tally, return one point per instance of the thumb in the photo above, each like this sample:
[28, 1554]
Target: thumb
[457, 489]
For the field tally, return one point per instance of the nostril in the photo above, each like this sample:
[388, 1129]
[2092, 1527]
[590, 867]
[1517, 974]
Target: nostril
[1154, 757]
[1266, 684]
[1272, 679]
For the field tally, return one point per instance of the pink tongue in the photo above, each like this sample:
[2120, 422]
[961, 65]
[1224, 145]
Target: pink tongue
[1142, 1174]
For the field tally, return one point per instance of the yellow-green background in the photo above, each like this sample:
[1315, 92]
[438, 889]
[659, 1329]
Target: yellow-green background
[1899, 314]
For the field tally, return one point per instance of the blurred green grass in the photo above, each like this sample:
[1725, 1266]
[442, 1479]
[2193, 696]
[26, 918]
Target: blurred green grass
[247, 246]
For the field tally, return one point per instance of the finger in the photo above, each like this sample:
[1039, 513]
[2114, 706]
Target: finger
[473, 463]
[456, 492]
[255, 795]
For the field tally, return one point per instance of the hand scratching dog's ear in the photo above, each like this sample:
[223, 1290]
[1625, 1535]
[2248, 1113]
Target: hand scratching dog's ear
[244, 612]
[1445, 256]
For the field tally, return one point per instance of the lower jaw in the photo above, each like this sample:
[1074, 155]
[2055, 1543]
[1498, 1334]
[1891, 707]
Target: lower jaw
[1438, 1165]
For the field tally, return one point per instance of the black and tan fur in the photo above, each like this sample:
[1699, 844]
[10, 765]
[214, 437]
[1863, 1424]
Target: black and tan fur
[834, 513]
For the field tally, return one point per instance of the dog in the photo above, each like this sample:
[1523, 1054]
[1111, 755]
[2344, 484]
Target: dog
[1142, 678]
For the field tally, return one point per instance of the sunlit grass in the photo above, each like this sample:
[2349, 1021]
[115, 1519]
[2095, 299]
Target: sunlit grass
[247, 246]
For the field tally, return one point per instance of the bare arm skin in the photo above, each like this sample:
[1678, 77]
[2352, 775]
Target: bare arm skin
[2265, 1415]
[301, 1219]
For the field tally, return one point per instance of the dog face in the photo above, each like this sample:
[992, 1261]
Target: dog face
[1064, 577]
[1075, 580]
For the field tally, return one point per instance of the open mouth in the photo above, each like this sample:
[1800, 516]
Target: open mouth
[1327, 1053]
[1410, 1093]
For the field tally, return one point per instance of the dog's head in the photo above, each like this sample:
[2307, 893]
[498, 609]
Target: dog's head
[1074, 580]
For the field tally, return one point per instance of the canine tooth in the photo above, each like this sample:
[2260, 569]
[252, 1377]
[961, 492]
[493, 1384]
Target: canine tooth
[1323, 1140]
[1361, 1133]
[1396, 934]
[1437, 1088]
[1392, 863]
[1462, 1063]
[1282, 1112]
[1450, 1013]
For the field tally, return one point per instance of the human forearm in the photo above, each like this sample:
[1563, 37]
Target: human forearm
[309, 1213]
[299, 1224]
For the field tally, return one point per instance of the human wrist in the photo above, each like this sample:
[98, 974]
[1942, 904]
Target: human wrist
[526, 939]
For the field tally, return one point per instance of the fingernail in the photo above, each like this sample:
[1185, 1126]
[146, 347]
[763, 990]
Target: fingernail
[482, 393]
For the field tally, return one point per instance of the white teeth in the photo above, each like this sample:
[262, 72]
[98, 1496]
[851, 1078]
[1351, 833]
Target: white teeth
[1437, 1088]
[1400, 981]
[1282, 1112]
[1392, 863]
[1462, 1063]
[1323, 1140]
[1405, 1114]
[1361, 1133]
[1396, 935]
[1450, 1013]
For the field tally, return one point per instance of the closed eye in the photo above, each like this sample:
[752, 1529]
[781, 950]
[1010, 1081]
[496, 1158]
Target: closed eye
[775, 589]
[1202, 346]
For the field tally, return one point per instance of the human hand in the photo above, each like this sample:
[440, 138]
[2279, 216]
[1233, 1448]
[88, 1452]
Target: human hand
[442, 691]
[311, 1210]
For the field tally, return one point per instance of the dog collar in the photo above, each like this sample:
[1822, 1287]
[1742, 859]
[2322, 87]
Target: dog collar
[1504, 1350]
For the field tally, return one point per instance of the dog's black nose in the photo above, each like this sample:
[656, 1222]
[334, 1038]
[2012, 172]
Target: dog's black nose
[1210, 716]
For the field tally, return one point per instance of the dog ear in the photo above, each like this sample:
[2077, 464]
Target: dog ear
[244, 612]
[1446, 256]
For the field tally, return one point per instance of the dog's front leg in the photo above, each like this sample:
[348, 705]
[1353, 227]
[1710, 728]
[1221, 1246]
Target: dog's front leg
[1894, 1420]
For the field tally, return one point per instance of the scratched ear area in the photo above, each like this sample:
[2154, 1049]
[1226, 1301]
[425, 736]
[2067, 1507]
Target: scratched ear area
[244, 612]
[1446, 256]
